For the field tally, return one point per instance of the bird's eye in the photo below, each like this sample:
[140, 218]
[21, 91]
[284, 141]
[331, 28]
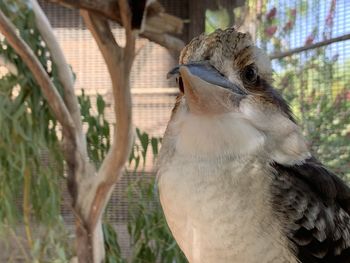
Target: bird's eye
[249, 75]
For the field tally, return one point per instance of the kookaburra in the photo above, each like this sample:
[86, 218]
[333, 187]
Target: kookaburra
[236, 179]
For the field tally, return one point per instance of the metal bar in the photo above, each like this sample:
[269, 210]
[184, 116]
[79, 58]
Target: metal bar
[308, 47]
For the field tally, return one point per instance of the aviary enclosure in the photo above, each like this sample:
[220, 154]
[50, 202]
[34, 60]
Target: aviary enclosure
[308, 42]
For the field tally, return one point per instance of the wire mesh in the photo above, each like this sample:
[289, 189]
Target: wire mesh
[315, 82]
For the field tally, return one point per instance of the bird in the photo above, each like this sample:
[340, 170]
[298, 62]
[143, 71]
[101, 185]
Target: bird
[237, 181]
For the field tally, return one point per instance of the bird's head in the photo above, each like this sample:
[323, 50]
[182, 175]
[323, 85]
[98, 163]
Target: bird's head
[227, 105]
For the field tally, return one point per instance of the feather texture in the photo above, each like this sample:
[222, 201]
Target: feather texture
[313, 206]
[238, 185]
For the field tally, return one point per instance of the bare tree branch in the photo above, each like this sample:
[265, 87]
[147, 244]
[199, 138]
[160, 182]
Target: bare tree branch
[64, 73]
[106, 8]
[168, 41]
[129, 49]
[50, 92]
[308, 47]
[118, 66]
[167, 24]
[119, 61]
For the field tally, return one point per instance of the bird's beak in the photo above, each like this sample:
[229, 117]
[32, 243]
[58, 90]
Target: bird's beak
[206, 90]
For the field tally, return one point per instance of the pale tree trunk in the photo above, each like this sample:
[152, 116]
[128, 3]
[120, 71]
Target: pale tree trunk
[90, 189]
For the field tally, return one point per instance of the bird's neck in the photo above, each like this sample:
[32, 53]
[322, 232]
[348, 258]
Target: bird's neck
[221, 136]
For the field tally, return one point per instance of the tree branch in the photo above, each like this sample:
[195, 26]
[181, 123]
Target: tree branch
[129, 49]
[50, 92]
[106, 8]
[119, 61]
[168, 41]
[308, 47]
[64, 72]
[113, 164]
[167, 24]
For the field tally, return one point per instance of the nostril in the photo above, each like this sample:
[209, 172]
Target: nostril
[181, 84]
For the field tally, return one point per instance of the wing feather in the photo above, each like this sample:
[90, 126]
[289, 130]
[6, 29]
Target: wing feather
[313, 206]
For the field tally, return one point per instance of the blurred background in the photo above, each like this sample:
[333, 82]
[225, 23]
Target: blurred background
[315, 81]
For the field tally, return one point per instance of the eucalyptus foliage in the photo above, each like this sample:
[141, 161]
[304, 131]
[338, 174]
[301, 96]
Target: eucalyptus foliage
[98, 138]
[30, 158]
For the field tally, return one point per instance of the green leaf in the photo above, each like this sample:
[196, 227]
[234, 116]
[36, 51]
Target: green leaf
[144, 140]
[154, 143]
[100, 103]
